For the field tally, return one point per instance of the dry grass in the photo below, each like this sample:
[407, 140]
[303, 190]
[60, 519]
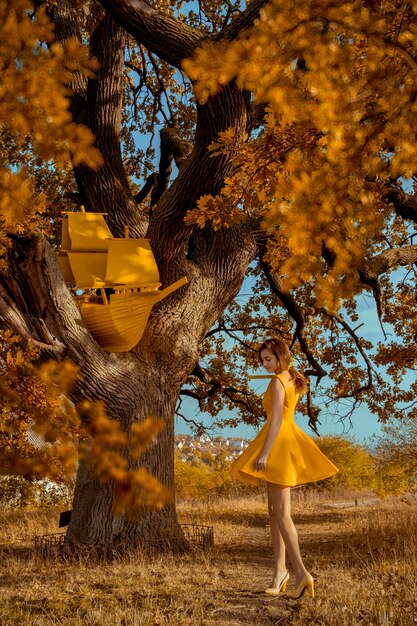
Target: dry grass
[363, 558]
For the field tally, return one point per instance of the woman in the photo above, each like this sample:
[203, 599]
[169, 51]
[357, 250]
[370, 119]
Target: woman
[284, 456]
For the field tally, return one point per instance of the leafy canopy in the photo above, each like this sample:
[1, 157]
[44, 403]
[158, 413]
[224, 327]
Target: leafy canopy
[35, 122]
[338, 81]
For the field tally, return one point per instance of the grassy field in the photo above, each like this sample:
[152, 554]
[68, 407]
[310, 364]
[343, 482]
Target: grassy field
[363, 558]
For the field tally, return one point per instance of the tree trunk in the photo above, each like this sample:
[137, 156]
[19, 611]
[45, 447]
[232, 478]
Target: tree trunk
[92, 521]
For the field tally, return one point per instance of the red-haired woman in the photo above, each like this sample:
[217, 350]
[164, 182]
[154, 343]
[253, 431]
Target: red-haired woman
[284, 456]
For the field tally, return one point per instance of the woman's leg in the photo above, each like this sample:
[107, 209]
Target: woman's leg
[278, 544]
[280, 508]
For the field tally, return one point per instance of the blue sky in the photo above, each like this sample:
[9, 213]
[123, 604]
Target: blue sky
[362, 424]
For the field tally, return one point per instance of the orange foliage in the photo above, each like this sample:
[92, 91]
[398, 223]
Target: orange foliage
[42, 435]
[38, 424]
[105, 450]
[34, 105]
[338, 81]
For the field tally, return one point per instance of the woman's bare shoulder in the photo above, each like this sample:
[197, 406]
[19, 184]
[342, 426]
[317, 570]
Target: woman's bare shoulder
[278, 385]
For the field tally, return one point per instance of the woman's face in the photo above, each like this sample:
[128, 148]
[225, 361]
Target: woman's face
[269, 360]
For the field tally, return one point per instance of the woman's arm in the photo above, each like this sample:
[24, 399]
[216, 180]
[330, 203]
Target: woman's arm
[278, 397]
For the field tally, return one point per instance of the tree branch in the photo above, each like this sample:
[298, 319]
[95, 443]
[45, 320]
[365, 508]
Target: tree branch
[243, 22]
[13, 318]
[405, 205]
[296, 312]
[358, 343]
[68, 20]
[221, 328]
[215, 386]
[166, 36]
[380, 264]
[150, 183]
[199, 427]
[406, 255]
[173, 147]
[97, 103]
[36, 304]
[107, 190]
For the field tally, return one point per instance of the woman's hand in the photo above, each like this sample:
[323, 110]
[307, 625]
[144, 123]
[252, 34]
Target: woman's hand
[260, 463]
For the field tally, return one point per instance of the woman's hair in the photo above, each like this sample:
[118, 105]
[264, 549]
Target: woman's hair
[283, 354]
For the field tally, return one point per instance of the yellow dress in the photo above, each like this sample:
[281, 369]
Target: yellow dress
[294, 458]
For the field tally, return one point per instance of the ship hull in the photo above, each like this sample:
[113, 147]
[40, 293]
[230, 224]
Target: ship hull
[119, 325]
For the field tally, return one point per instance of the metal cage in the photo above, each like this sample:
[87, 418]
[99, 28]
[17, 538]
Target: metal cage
[196, 536]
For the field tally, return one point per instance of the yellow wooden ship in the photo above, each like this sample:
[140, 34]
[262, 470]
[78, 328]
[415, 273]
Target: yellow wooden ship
[92, 260]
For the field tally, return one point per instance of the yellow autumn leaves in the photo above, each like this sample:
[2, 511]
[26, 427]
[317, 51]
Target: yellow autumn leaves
[338, 81]
[43, 434]
[35, 74]
[38, 426]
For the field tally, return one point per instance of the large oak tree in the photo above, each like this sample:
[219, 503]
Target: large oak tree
[287, 171]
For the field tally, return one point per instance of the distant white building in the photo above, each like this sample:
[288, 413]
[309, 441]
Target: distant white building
[237, 445]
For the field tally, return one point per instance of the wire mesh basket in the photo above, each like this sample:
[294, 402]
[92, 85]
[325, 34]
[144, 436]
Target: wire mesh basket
[199, 535]
[194, 536]
[49, 545]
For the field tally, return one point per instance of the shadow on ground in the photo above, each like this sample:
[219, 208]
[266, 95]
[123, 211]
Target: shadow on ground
[256, 520]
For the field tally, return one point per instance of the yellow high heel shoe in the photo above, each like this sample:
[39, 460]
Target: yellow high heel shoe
[306, 583]
[275, 591]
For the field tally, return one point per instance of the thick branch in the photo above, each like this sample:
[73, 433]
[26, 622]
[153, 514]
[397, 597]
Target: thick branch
[68, 20]
[36, 332]
[173, 147]
[405, 205]
[35, 303]
[406, 255]
[243, 22]
[166, 36]
[98, 104]
[295, 311]
[150, 183]
[107, 190]
[382, 263]
[201, 174]
[374, 267]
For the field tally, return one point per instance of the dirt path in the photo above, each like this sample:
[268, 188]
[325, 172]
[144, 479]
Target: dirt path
[246, 563]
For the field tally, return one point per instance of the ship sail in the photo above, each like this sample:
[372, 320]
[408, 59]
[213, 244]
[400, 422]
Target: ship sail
[131, 262]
